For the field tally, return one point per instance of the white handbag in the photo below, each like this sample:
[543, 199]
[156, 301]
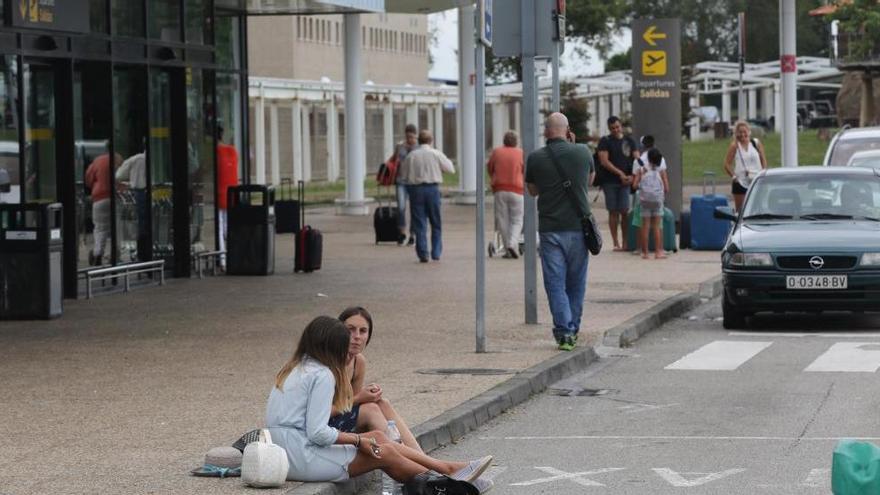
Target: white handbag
[264, 464]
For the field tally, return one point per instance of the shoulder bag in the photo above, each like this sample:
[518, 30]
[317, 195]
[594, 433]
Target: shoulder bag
[264, 464]
[592, 237]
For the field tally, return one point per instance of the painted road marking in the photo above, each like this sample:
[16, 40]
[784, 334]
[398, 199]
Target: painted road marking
[558, 474]
[721, 355]
[829, 335]
[861, 357]
[678, 480]
[818, 478]
[683, 438]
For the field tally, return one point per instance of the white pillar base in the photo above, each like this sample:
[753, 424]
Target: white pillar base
[462, 197]
[357, 208]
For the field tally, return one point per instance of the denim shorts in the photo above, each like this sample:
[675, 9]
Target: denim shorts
[616, 197]
[651, 209]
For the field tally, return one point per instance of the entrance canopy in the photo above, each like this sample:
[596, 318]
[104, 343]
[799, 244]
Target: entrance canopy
[283, 7]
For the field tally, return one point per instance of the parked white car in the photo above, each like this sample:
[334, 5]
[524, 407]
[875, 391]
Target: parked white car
[848, 142]
[866, 159]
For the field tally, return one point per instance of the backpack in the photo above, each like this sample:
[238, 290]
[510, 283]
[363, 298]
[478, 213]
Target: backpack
[387, 174]
[651, 185]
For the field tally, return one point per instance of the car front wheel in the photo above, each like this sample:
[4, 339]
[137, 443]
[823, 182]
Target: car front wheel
[733, 318]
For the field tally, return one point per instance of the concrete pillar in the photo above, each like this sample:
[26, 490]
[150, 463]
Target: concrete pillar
[788, 51]
[603, 114]
[615, 104]
[767, 102]
[517, 119]
[274, 145]
[355, 134]
[296, 140]
[777, 107]
[693, 122]
[260, 137]
[593, 110]
[866, 106]
[388, 128]
[725, 102]
[438, 127]
[753, 104]
[412, 114]
[332, 140]
[498, 129]
[306, 143]
[467, 124]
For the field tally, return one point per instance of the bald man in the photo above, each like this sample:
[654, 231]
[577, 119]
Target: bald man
[564, 255]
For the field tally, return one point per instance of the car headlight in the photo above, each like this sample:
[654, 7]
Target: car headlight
[750, 260]
[870, 259]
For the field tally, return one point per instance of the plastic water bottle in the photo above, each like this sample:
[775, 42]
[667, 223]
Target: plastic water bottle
[389, 486]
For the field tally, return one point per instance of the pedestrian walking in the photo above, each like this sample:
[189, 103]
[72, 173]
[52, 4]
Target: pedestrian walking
[564, 255]
[401, 150]
[506, 171]
[616, 153]
[97, 180]
[422, 172]
[227, 176]
[653, 185]
[744, 160]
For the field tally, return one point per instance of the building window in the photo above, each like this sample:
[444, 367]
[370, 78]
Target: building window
[97, 16]
[198, 22]
[227, 42]
[128, 18]
[10, 150]
[337, 32]
[164, 19]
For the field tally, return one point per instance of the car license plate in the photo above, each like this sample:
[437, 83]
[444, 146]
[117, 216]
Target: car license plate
[815, 282]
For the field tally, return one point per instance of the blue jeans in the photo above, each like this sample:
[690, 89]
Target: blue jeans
[564, 260]
[401, 207]
[424, 205]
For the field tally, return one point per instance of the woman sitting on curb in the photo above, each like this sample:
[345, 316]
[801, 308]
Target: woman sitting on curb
[313, 380]
[370, 411]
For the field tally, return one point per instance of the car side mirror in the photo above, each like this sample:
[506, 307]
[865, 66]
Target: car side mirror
[725, 213]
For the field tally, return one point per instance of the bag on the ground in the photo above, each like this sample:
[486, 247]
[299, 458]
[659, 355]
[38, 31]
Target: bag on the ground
[309, 241]
[387, 174]
[264, 464]
[437, 484]
[855, 468]
[287, 207]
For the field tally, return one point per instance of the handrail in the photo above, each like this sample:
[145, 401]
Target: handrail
[126, 270]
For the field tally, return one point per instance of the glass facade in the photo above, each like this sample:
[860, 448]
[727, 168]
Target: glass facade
[119, 122]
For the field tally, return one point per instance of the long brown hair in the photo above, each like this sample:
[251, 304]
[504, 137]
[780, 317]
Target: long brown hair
[363, 313]
[325, 340]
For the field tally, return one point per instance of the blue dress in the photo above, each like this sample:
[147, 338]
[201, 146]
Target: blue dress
[297, 418]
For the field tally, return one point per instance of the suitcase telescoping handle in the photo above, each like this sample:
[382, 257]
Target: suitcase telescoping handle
[301, 196]
[708, 178]
[287, 181]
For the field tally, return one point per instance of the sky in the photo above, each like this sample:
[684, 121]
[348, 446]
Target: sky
[446, 60]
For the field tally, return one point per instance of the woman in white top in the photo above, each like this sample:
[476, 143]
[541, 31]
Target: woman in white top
[745, 158]
[309, 384]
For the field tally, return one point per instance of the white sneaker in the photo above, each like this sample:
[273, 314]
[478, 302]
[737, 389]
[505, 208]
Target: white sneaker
[473, 470]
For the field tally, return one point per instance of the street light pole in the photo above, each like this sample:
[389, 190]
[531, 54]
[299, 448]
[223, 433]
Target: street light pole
[788, 69]
[741, 97]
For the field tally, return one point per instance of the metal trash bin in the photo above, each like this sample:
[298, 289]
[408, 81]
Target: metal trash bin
[31, 253]
[250, 236]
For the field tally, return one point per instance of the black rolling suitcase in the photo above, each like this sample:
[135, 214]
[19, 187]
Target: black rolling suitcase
[309, 241]
[385, 222]
[287, 207]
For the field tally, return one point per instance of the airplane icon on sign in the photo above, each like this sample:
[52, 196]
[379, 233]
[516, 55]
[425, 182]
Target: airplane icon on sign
[654, 62]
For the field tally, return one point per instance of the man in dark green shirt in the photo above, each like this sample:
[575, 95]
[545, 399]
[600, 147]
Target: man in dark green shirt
[564, 255]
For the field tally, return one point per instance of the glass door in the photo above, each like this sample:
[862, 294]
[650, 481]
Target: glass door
[40, 182]
[159, 155]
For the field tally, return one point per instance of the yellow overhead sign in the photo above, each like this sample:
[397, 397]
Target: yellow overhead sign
[651, 35]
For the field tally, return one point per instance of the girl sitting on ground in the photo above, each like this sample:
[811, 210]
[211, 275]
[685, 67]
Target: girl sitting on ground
[370, 411]
[306, 387]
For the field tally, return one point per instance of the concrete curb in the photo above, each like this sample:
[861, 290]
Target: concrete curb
[470, 415]
[626, 333]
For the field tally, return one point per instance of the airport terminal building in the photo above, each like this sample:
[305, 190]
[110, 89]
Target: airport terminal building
[140, 92]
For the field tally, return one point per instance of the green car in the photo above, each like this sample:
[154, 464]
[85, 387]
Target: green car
[807, 239]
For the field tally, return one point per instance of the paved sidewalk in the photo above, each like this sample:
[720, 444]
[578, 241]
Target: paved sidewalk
[125, 393]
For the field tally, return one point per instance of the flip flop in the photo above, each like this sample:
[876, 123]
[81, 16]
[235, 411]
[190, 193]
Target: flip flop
[473, 470]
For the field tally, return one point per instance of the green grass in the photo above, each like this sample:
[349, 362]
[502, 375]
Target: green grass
[708, 155]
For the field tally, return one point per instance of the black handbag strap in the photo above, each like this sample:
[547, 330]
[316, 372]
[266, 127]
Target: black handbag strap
[566, 184]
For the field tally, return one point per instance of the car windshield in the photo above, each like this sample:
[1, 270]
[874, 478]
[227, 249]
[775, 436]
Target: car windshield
[814, 197]
[844, 149]
[866, 161]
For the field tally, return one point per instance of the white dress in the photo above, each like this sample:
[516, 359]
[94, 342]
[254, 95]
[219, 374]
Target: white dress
[747, 164]
[297, 417]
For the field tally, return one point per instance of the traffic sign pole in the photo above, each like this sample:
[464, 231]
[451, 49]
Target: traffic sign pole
[485, 35]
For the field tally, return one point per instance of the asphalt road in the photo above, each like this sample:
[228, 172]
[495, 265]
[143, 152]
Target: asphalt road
[693, 408]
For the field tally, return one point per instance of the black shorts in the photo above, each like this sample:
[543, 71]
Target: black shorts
[738, 188]
[346, 421]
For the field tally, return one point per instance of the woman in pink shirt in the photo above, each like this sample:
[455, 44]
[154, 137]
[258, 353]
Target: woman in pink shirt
[506, 170]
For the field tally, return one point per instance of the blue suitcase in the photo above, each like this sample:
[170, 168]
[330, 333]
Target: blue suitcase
[707, 232]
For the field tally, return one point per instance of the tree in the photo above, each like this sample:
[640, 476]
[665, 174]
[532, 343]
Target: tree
[860, 25]
[619, 61]
[762, 30]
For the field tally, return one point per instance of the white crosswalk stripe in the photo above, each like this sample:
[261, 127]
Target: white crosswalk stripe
[729, 355]
[721, 355]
